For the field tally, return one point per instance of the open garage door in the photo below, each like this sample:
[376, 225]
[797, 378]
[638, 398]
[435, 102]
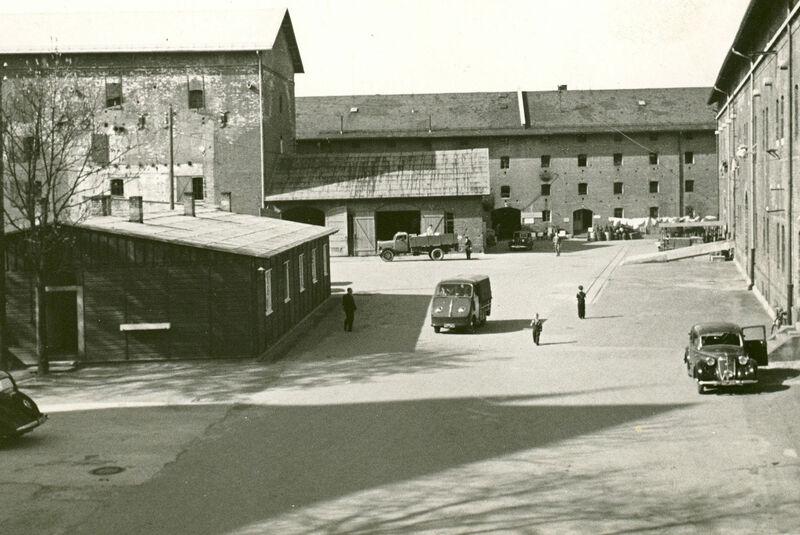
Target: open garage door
[505, 221]
[581, 221]
[389, 222]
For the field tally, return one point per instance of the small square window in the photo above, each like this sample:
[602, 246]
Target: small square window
[505, 192]
[545, 216]
[653, 158]
[617, 188]
[688, 157]
[113, 94]
[545, 160]
[617, 137]
[545, 190]
[653, 186]
[581, 160]
[117, 187]
[195, 99]
[583, 188]
[581, 138]
[504, 162]
[617, 158]
[688, 186]
[619, 212]
[654, 212]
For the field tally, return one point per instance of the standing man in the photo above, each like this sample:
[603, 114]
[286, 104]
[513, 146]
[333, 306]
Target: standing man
[581, 303]
[349, 305]
[468, 247]
[536, 328]
[557, 244]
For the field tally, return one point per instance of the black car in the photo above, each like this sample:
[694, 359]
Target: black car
[523, 239]
[18, 413]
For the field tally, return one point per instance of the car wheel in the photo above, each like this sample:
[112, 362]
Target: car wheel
[437, 329]
[437, 254]
[387, 256]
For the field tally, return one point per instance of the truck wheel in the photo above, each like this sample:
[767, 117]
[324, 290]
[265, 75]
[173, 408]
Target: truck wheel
[387, 255]
[437, 254]
[437, 329]
[473, 324]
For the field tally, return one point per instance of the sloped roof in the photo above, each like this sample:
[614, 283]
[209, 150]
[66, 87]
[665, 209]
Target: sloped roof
[471, 114]
[380, 175]
[143, 31]
[247, 235]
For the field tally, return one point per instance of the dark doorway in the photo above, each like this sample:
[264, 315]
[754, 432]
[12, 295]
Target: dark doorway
[387, 223]
[304, 214]
[505, 221]
[61, 318]
[581, 221]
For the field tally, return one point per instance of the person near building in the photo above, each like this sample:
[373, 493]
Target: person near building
[536, 328]
[557, 244]
[349, 306]
[581, 303]
[468, 247]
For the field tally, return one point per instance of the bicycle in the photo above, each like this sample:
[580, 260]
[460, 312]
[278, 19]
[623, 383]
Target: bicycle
[780, 319]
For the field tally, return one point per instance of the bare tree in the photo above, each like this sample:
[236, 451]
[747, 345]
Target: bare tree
[56, 151]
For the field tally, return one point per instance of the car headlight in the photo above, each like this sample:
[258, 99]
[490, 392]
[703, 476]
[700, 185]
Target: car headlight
[743, 359]
[711, 361]
[437, 309]
[462, 309]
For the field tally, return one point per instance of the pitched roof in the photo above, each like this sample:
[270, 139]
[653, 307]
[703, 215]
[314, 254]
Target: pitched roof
[463, 114]
[381, 175]
[247, 235]
[142, 31]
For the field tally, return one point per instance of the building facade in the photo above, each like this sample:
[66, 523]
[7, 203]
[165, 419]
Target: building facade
[757, 95]
[566, 159]
[229, 82]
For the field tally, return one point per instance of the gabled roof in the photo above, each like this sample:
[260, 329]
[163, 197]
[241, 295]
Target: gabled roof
[142, 31]
[241, 234]
[475, 114]
[380, 175]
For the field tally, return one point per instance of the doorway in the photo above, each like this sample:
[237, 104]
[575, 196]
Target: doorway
[505, 221]
[387, 223]
[64, 321]
[581, 221]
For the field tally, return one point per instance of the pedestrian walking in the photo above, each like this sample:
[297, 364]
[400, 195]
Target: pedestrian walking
[349, 305]
[581, 303]
[536, 328]
[557, 244]
[468, 247]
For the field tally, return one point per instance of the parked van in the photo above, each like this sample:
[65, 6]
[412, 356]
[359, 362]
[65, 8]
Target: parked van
[463, 301]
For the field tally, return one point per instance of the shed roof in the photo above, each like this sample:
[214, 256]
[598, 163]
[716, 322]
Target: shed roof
[460, 114]
[143, 31]
[247, 235]
[381, 175]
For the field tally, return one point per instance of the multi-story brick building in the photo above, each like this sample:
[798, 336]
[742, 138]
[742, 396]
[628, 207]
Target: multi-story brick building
[228, 79]
[759, 124]
[562, 158]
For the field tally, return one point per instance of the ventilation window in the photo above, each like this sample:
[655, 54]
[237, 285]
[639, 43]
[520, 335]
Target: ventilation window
[653, 158]
[653, 186]
[688, 157]
[505, 191]
[617, 159]
[617, 188]
[583, 188]
[117, 187]
[688, 186]
[654, 212]
[113, 94]
[545, 190]
[581, 160]
[618, 212]
[545, 216]
[505, 162]
[196, 94]
[545, 160]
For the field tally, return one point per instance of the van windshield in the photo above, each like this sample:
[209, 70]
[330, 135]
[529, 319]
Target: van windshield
[455, 290]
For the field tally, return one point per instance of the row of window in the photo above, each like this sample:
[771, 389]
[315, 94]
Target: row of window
[118, 187]
[618, 212]
[583, 188]
[287, 277]
[505, 161]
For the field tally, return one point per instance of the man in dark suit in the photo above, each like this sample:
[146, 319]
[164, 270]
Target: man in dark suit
[349, 305]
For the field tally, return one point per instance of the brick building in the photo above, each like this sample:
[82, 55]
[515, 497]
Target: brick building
[758, 122]
[562, 158]
[229, 80]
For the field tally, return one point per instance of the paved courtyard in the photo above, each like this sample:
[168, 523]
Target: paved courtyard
[395, 429]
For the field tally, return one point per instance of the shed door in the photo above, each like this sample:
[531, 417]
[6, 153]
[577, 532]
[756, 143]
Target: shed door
[435, 220]
[183, 184]
[364, 229]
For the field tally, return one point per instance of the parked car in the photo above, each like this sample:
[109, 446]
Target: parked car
[523, 239]
[463, 301]
[18, 413]
[725, 354]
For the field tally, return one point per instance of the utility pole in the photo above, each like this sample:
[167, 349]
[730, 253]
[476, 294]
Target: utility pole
[171, 165]
[4, 364]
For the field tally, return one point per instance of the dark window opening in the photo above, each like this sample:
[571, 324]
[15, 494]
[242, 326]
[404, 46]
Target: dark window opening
[117, 187]
[688, 157]
[653, 186]
[545, 216]
[581, 160]
[195, 99]
[197, 188]
[545, 189]
[688, 186]
[583, 188]
[505, 162]
[113, 94]
[617, 158]
[545, 160]
[505, 191]
[99, 150]
[449, 223]
[653, 158]
[618, 212]
[654, 212]
[617, 188]
[28, 148]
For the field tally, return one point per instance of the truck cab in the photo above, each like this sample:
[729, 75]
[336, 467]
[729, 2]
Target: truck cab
[398, 244]
[461, 302]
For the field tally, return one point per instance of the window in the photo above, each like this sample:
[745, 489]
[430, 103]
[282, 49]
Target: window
[617, 158]
[545, 160]
[198, 188]
[196, 96]
[688, 157]
[618, 137]
[325, 259]
[113, 94]
[654, 212]
[99, 150]
[654, 186]
[314, 265]
[618, 212]
[581, 160]
[766, 125]
[301, 272]
[583, 187]
[545, 190]
[267, 292]
[617, 188]
[504, 162]
[653, 158]
[449, 223]
[778, 117]
[796, 110]
[505, 192]
[28, 148]
[688, 186]
[117, 187]
[545, 216]
[287, 295]
[581, 138]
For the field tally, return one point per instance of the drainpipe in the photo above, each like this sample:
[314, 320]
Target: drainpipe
[261, 128]
[752, 154]
[680, 173]
[789, 226]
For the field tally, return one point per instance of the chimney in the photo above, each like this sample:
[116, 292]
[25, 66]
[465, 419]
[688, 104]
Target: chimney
[135, 209]
[101, 205]
[225, 201]
[524, 111]
[188, 203]
[561, 89]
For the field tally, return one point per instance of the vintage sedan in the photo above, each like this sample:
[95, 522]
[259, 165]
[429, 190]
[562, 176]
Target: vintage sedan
[522, 239]
[724, 354]
[18, 413]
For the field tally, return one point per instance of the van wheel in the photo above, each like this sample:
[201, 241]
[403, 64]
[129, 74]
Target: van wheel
[387, 255]
[473, 324]
[437, 254]
[437, 329]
